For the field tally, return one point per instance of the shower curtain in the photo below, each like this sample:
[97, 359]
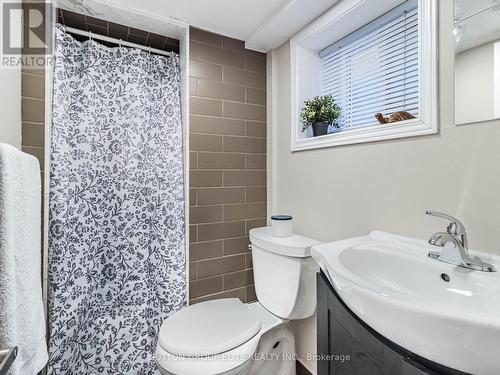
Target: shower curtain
[116, 213]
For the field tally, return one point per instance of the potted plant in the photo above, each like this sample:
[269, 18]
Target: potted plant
[319, 112]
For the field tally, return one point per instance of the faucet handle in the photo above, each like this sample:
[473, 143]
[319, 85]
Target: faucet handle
[455, 228]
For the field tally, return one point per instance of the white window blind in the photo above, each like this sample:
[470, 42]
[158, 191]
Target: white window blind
[375, 69]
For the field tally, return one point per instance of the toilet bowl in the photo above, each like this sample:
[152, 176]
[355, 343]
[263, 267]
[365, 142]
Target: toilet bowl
[227, 336]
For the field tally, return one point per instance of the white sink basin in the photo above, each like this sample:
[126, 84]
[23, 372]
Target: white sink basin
[390, 283]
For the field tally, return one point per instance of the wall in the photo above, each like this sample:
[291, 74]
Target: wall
[10, 109]
[228, 164]
[474, 82]
[349, 191]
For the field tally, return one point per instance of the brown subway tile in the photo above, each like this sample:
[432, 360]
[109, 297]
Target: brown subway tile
[210, 232]
[193, 201]
[193, 271]
[248, 260]
[207, 107]
[244, 111]
[255, 63]
[236, 245]
[193, 233]
[215, 125]
[155, 41]
[244, 178]
[244, 144]
[220, 266]
[238, 77]
[205, 37]
[138, 32]
[205, 214]
[216, 90]
[74, 19]
[220, 196]
[255, 96]
[203, 142]
[217, 160]
[256, 194]
[39, 70]
[233, 44]
[203, 287]
[205, 178]
[205, 250]
[244, 211]
[104, 31]
[193, 49]
[193, 160]
[238, 279]
[205, 70]
[193, 123]
[193, 86]
[118, 31]
[251, 296]
[97, 21]
[33, 86]
[220, 56]
[255, 223]
[33, 134]
[256, 129]
[33, 110]
[235, 293]
[37, 152]
[255, 161]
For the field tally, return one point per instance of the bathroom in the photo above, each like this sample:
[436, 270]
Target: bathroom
[279, 187]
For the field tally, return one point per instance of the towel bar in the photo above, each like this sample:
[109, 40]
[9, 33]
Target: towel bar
[7, 357]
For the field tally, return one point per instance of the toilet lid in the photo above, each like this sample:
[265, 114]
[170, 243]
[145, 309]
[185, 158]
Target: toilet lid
[209, 328]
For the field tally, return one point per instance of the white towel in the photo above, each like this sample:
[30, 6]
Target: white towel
[22, 320]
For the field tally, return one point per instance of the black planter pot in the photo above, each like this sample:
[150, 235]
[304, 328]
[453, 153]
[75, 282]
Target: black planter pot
[320, 128]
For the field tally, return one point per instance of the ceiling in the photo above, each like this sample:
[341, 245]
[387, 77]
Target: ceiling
[236, 18]
[263, 24]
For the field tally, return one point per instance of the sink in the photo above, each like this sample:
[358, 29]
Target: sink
[447, 314]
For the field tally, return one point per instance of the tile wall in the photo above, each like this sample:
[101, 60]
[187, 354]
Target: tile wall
[228, 164]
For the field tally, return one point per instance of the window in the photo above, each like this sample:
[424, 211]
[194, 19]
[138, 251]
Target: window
[372, 60]
[375, 69]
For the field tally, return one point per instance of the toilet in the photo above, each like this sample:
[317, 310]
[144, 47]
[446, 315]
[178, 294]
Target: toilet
[229, 337]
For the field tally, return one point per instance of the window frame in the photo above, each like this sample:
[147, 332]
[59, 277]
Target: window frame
[306, 45]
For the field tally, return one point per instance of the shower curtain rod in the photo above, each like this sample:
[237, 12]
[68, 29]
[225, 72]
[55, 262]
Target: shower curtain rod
[120, 42]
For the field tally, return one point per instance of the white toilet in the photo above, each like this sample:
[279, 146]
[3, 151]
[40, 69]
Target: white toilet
[229, 337]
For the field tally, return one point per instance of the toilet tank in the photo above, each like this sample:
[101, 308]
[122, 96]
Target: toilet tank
[284, 273]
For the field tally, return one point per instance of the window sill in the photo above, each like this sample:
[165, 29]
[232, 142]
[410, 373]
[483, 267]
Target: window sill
[401, 129]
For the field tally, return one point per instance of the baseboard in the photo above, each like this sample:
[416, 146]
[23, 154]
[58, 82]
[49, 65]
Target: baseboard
[301, 370]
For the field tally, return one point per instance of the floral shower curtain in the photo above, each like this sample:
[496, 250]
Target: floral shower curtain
[116, 240]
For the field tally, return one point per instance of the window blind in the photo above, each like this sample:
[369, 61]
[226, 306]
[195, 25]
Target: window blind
[375, 69]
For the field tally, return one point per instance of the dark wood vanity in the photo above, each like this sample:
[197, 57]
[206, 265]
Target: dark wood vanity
[348, 346]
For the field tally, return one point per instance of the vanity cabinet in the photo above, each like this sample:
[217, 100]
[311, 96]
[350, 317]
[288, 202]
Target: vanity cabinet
[347, 346]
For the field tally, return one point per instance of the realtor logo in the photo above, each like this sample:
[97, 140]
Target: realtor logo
[24, 28]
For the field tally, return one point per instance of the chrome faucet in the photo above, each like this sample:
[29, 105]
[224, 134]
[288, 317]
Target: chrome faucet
[455, 245]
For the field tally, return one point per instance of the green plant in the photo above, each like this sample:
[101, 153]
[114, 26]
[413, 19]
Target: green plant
[319, 109]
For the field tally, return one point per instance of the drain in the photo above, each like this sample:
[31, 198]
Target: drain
[276, 345]
[445, 277]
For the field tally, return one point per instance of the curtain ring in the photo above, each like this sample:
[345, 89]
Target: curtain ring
[149, 50]
[120, 43]
[90, 35]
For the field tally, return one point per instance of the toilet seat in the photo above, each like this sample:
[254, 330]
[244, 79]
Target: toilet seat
[237, 338]
[209, 328]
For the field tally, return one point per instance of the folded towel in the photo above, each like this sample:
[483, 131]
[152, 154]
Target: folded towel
[22, 319]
